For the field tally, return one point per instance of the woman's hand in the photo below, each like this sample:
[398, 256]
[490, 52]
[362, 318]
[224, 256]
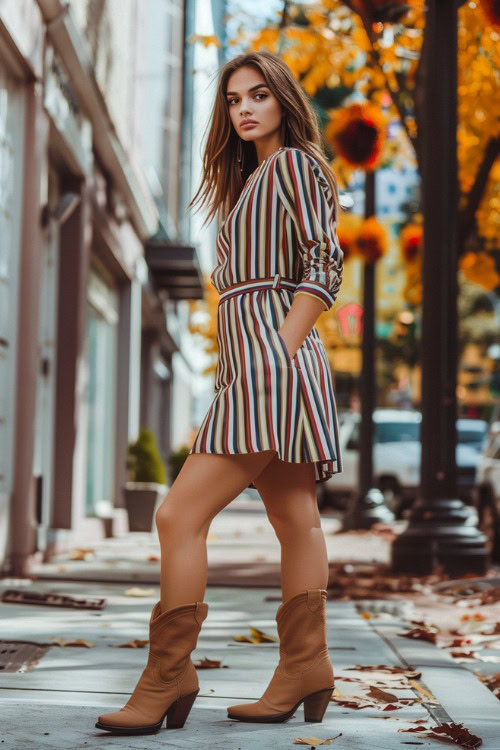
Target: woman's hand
[299, 321]
[290, 346]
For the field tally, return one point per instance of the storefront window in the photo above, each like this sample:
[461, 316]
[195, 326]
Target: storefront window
[102, 356]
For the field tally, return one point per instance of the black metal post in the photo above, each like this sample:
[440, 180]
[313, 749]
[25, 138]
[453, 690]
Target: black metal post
[440, 529]
[368, 507]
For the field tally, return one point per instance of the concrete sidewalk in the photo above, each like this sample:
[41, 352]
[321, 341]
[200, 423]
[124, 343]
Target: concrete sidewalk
[55, 705]
[242, 550]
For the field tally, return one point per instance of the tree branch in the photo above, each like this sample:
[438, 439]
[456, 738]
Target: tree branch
[468, 213]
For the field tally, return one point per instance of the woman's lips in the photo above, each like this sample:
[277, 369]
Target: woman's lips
[249, 125]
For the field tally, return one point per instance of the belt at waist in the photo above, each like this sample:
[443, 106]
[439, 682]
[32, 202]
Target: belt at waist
[270, 282]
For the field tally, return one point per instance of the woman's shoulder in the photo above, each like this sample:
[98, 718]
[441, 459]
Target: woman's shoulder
[299, 163]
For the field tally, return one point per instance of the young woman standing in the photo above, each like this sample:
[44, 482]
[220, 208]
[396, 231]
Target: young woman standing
[272, 424]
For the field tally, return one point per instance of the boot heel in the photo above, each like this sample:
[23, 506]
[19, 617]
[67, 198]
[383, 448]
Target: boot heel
[179, 711]
[316, 704]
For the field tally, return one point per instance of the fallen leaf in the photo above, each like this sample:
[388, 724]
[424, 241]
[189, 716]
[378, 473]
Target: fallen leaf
[154, 558]
[381, 696]
[82, 553]
[420, 689]
[465, 656]
[420, 634]
[60, 641]
[491, 681]
[130, 644]
[138, 591]
[207, 663]
[256, 636]
[385, 668]
[350, 701]
[453, 733]
[314, 740]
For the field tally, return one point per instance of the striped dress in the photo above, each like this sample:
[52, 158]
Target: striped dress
[282, 229]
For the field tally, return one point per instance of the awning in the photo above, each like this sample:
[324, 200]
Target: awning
[175, 268]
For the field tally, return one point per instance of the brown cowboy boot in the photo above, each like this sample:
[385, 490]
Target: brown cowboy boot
[169, 683]
[304, 673]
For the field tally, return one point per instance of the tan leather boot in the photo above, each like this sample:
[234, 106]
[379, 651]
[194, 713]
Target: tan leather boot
[169, 683]
[304, 673]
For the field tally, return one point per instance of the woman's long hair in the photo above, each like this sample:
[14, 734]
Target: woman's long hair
[222, 180]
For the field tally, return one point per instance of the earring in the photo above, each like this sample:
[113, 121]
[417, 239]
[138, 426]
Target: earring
[239, 154]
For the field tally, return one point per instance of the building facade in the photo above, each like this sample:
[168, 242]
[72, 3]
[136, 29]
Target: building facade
[90, 330]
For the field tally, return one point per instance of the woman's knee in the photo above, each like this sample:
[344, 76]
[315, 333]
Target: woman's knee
[174, 518]
[289, 521]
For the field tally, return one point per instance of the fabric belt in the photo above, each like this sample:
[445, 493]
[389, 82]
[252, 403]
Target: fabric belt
[271, 282]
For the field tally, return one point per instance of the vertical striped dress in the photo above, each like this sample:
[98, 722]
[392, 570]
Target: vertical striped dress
[282, 228]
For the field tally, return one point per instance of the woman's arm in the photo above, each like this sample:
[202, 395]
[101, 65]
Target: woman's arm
[302, 188]
[301, 317]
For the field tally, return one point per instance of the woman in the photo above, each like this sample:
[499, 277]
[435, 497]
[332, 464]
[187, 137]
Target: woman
[272, 424]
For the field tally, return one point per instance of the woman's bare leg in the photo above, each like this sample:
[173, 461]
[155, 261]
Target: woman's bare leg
[288, 492]
[204, 486]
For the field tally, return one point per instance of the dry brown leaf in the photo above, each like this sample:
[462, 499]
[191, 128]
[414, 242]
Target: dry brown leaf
[420, 689]
[391, 707]
[207, 663]
[385, 668]
[315, 740]
[420, 634]
[381, 696]
[154, 558]
[491, 681]
[60, 641]
[350, 701]
[130, 644]
[453, 733]
[256, 636]
[82, 553]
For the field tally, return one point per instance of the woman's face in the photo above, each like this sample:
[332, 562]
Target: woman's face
[249, 98]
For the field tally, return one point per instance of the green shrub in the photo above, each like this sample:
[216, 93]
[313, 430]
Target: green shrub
[144, 461]
[176, 460]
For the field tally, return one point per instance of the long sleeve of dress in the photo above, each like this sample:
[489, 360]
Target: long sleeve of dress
[306, 195]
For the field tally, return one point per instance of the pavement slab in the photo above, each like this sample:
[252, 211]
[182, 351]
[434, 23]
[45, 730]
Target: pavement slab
[55, 705]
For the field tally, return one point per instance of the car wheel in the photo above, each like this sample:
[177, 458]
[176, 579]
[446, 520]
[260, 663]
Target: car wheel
[489, 525]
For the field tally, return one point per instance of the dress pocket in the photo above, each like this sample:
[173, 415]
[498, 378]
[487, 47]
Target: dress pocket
[292, 361]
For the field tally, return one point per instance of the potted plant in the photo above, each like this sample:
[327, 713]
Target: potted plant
[147, 481]
[176, 461]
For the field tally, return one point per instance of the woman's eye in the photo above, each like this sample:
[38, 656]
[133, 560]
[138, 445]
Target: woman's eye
[230, 101]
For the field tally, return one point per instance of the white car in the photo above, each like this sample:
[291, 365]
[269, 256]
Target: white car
[396, 456]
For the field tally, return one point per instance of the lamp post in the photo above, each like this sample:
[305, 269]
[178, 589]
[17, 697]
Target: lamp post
[368, 506]
[441, 529]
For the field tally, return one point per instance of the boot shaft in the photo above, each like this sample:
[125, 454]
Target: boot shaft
[174, 635]
[301, 622]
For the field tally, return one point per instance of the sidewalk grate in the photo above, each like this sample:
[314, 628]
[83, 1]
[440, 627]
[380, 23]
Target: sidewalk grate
[15, 596]
[20, 656]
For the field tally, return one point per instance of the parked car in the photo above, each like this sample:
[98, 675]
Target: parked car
[487, 490]
[397, 455]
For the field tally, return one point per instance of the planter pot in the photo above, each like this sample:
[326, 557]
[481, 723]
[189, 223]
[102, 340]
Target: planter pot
[141, 499]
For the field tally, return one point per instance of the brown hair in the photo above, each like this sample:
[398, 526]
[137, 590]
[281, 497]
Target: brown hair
[221, 178]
